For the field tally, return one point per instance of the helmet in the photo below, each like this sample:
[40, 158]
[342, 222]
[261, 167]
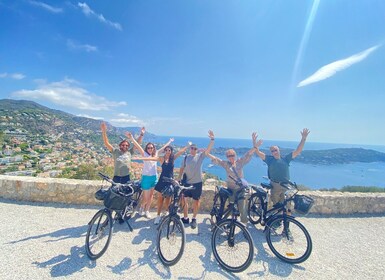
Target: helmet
[168, 191]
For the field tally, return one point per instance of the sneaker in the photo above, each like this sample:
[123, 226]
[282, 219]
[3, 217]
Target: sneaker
[193, 223]
[120, 220]
[141, 212]
[185, 221]
[147, 215]
[157, 220]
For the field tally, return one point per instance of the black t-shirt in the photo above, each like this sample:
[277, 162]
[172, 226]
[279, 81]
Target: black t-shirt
[278, 169]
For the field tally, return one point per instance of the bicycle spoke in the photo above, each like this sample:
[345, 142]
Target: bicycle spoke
[170, 241]
[98, 235]
[291, 242]
[232, 246]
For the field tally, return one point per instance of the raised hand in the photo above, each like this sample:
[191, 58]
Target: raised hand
[305, 132]
[129, 135]
[143, 130]
[211, 134]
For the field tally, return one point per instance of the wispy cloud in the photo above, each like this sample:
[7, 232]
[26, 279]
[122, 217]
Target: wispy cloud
[127, 120]
[331, 69]
[16, 76]
[75, 46]
[89, 12]
[90, 117]
[68, 93]
[46, 7]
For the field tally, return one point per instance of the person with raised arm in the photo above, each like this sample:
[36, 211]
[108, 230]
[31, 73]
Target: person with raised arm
[122, 155]
[167, 163]
[234, 169]
[149, 172]
[192, 167]
[278, 166]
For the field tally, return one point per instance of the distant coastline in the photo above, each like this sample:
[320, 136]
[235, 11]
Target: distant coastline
[321, 165]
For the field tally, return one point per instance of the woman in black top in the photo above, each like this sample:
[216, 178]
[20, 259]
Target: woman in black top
[167, 163]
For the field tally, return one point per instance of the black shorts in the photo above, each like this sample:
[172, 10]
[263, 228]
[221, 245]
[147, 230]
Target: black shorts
[194, 193]
[161, 185]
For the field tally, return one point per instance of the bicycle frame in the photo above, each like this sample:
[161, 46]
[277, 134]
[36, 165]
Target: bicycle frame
[278, 209]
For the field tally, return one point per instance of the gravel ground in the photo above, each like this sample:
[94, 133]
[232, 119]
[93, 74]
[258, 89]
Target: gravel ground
[41, 241]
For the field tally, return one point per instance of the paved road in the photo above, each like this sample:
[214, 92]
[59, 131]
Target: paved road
[41, 241]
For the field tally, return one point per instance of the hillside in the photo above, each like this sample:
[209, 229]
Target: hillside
[27, 117]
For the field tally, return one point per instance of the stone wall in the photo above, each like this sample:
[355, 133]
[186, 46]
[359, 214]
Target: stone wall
[82, 192]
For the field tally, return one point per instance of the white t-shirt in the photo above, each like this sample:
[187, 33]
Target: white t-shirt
[149, 167]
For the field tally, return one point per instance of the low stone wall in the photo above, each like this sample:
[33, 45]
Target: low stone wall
[82, 192]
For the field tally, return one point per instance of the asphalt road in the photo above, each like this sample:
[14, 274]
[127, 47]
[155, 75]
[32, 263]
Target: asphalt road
[42, 241]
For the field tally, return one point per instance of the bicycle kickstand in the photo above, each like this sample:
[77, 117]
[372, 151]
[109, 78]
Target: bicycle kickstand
[129, 226]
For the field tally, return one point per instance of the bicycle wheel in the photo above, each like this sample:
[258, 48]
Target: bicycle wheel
[215, 210]
[289, 241]
[170, 240]
[232, 245]
[99, 234]
[254, 209]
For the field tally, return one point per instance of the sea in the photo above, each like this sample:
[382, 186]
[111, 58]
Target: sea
[309, 175]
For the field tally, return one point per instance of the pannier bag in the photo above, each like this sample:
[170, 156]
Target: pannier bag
[303, 203]
[115, 201]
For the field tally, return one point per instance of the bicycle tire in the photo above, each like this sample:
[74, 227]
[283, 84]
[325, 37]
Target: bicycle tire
[294, 244]
[99, 225]
[254, 209]
[227, 249]
[170, 232]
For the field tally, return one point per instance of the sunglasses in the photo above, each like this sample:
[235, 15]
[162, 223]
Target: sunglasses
[273, 151]
[230, 156]
[148, 148]
[124, 145]
[193, 148]
[168, 150]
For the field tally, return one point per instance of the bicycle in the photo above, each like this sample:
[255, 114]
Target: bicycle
[287, 238]
[121, 199]
[171, 237]
[231, 242]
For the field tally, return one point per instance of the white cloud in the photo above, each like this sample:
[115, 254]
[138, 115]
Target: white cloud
[16, 76]
[46, 7]
[89, 12]
[127, 120]
[90, 117]
[74, 46]
[68, 93]
[331, 69]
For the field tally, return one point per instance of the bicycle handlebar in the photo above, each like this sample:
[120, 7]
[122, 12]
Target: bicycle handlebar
[121, 188]
[175, 182]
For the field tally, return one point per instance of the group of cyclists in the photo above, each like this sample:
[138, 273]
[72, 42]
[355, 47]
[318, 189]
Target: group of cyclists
[191, 170]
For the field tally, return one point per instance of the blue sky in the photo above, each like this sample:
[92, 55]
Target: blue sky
[183, 67]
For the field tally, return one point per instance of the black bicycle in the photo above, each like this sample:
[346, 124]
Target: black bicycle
[171, 238]
[287, 238]
[231, 242]
[120, 200]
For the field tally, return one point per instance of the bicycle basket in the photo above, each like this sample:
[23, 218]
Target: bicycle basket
[303, 203]
[168, 191]
[101, 194]
[114, 200]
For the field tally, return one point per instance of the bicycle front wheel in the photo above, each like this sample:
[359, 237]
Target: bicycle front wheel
[99, 234]
[171, 240]
[289, 241]
[254, 209]
[232, 245]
